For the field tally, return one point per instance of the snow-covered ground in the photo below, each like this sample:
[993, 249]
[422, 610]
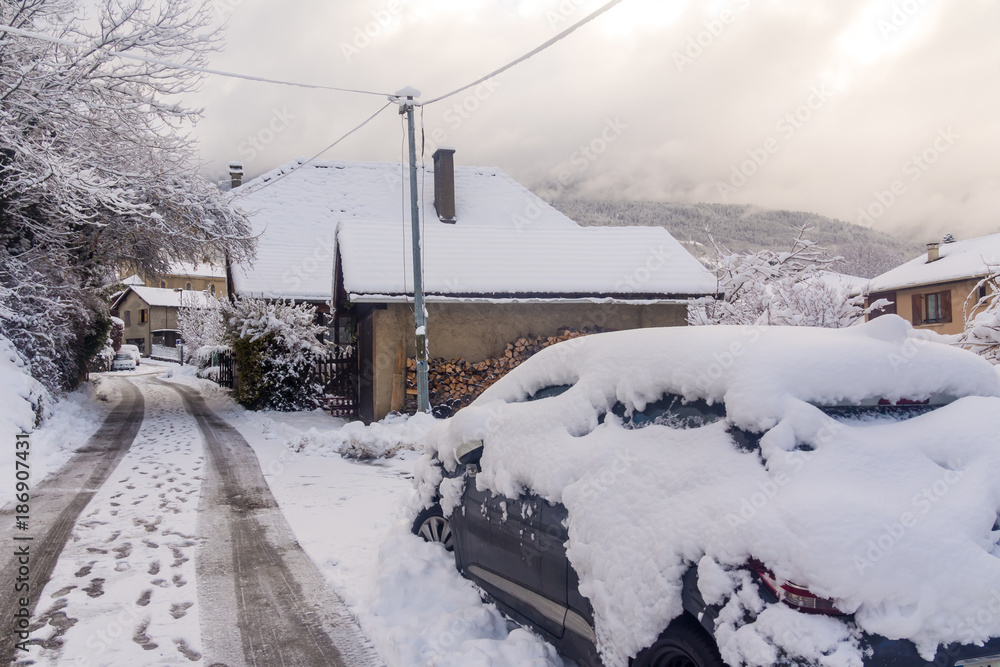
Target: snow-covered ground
[140, 606]
[351, 518]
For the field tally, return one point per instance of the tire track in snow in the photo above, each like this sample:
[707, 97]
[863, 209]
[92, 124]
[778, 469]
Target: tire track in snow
[57, 502]
[124, 589]
[270, 604]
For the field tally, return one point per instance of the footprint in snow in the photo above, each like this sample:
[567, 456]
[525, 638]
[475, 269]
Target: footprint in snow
[179, 609]
[154, 567]
[187, 651]
[63, 591]
[145, 597]
[96, 588]
[142, 639]
[179, 580]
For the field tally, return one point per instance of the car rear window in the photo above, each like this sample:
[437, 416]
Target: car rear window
[673, 411]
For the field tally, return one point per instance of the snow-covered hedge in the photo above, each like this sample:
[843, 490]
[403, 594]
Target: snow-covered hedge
[275, 344]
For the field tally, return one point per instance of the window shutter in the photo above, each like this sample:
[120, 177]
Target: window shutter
[946, 306]
[918, 315]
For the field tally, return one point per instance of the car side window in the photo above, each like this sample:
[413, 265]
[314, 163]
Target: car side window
[673, 411]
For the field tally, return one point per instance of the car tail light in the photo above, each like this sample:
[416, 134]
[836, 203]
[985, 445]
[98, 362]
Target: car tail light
[794, 595]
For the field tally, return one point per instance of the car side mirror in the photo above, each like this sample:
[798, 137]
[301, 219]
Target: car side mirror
[470, 453]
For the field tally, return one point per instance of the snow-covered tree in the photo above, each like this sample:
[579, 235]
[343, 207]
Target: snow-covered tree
[275, 344]
[97, 168]
[769, 287]
[200, 324]
[982, 320]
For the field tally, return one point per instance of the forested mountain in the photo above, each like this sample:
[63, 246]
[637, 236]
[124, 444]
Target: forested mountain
[743, 228]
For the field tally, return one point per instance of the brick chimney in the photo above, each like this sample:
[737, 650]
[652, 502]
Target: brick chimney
[933, 252]
[236, 174]
[444, 184]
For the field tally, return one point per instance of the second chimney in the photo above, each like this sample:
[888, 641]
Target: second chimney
[933, 252]
[236, 174]
[444, 184]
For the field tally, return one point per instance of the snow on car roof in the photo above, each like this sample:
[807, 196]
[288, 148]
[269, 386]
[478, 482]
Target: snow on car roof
[960, 260]
[895, 521]
[506, 238]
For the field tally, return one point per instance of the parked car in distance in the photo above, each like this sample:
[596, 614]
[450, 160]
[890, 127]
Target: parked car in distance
[709, 496]
[134, 351]
[123, 361]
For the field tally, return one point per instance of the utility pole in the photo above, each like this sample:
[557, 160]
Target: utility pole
[420, 314]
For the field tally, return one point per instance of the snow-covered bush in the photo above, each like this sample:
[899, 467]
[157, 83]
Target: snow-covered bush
[982, 320]
[768, 287]
[275, 344]
[97, 166]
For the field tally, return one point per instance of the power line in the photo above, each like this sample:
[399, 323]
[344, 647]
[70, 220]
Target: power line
[190, 68]
[268, 184]
[560, 36]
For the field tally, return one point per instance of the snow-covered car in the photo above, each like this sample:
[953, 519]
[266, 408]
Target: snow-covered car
[134, 351]
[733, 495]
[123, 361]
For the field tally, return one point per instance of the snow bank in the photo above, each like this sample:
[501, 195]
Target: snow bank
[23, 401]
[424, 613]
[355, 440]
[65, 424]
[896, 521]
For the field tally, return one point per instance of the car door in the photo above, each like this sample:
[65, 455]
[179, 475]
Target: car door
[500, 545]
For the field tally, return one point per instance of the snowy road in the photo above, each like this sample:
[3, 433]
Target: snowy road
[171, 549]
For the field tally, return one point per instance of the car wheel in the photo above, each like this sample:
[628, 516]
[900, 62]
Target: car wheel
[432, 526]
[683, 644]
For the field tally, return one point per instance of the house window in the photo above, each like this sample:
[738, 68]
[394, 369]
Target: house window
[128, 318]
[932, 308]
[211, 288]
[187, 286]
[143, 316]
[982, 292]
[163, 284]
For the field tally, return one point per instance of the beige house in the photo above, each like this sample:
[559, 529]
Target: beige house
[150, 315]
[939, 289]
[204, 277]
[498, 263]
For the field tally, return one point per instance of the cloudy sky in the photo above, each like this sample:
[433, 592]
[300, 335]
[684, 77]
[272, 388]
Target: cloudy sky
[880, 112]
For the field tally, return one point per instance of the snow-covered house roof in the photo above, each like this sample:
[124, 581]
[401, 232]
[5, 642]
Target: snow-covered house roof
[195, 270]
[960, 260]
[160, 297]
[470, 260]
[506, 239]
[132, 280]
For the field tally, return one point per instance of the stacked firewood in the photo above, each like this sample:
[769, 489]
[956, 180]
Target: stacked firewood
[454, 383]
